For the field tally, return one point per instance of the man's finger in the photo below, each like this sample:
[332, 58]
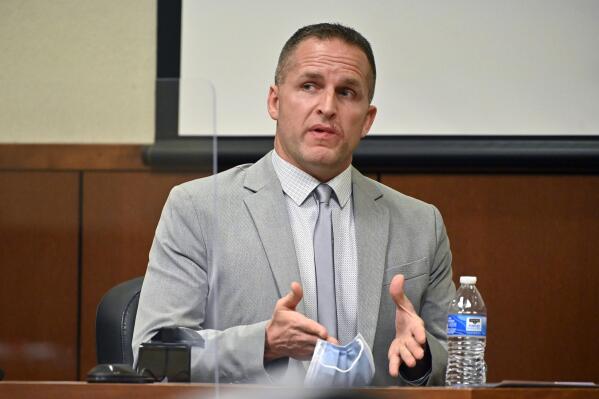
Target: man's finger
[293, 297]
[415, 349]
[406, 356]
[311, 327]
[419, 334]
[394, 365]
[398, 295]
[394, 360]
[396, 289]
[396, 286]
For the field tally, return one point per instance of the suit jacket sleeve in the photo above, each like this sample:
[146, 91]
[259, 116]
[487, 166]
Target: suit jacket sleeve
[436, 302]
[175, 292]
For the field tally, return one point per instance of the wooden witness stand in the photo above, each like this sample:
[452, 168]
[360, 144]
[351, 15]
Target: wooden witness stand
[66, 390]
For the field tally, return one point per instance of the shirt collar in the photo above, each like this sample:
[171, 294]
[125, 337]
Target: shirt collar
[298, 185]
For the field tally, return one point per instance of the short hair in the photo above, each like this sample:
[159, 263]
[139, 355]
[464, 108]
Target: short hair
[327, 31]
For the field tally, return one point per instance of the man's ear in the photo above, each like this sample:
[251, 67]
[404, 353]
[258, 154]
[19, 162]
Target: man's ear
[368, 120]
[273, 102]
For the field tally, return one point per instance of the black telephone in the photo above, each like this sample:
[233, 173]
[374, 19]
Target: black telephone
[167, 357]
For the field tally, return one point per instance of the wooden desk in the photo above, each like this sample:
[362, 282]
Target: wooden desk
[67, 390]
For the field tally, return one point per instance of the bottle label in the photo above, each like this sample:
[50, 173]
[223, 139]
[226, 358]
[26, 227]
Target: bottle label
[466, 325]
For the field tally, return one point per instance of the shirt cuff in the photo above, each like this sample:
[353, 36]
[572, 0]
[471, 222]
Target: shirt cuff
[409, 378]
[416, 383]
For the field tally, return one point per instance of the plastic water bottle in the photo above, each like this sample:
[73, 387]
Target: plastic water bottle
[466, 336]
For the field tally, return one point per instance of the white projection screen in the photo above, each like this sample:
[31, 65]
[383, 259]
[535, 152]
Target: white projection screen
[467, 67]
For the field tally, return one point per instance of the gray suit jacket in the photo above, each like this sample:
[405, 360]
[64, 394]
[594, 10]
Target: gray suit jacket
[223, 254]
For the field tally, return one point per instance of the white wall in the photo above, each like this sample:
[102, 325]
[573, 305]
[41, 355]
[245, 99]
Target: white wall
[83, 71]
[77, 71]
[444, 67]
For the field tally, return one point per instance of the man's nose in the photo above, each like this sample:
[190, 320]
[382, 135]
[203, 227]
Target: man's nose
[327, 106]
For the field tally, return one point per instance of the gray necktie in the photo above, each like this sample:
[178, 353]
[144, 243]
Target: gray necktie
[324, 262]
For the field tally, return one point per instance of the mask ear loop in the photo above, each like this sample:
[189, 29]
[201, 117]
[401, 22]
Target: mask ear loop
[352, 365]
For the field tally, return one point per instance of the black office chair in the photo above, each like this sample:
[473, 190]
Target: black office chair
[115, 319]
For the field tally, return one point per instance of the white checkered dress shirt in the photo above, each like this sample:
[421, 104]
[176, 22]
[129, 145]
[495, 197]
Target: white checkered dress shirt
[302, 205]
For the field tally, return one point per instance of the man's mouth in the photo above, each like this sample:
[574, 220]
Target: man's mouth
[324, 130]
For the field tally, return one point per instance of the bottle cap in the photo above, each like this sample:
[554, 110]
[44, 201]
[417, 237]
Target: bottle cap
[468, 280]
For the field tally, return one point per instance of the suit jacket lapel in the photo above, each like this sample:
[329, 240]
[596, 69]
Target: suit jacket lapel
[372, 233]
[268, 209]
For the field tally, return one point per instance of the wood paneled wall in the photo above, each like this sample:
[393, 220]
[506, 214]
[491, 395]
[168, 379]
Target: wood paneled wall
[120, 214]
[531, 240]
[39, 271]
[73, 226]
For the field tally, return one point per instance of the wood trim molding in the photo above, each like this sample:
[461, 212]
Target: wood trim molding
[403, 154]
[71, 157]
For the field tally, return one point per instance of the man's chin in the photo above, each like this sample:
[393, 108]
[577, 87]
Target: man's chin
[326, 161]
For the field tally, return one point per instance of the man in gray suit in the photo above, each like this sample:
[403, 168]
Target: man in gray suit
[231, 250]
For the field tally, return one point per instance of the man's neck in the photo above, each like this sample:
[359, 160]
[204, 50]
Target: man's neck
[321, 173]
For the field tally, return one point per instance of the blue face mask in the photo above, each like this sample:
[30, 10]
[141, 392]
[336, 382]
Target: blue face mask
[341, 366]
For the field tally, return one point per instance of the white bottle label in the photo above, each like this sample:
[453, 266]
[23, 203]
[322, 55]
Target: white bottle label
[464, 325]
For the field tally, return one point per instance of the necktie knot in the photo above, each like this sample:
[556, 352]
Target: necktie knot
[323, 193]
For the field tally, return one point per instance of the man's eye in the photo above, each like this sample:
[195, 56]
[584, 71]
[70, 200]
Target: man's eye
[308, 86]
[347, 92]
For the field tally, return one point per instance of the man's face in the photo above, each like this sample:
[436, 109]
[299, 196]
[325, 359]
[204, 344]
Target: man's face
[321, 106]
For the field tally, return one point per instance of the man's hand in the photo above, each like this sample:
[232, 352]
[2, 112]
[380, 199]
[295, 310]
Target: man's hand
[410, 337]
[291, 334]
